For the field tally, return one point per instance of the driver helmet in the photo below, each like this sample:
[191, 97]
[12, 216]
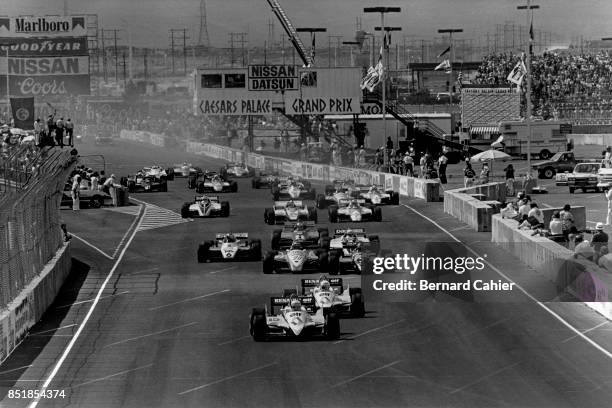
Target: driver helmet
[290, 204]
[373, 189]
[296, 245]
[324, 284]
[299, 226]
[295, 304]
[353, 204]
[228, 238]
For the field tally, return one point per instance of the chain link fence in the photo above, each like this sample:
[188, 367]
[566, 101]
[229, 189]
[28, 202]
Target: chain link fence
[30, 230]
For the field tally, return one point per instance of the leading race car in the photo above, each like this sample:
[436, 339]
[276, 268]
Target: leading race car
[304, 232]
[291, 210]
[347, 185]
[341, 195]
[205, 206]
[348, 247]
[212, 182]
[265, 180]
[295, 319]
[237, 170]
[378, 195]
[144, 183]
[354, 210]
[183, 169]
[230, 247]
[292, 188]
[155, 171]
[296, 259]
[329, 294]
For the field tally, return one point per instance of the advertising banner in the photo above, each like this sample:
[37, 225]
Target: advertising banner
[23, 112]
[235, 106]
[403, 189]
[273, 77]
[296, 105]
[44, 47]
[43, 26]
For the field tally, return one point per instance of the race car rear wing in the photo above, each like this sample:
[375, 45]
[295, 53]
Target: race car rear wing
[283, 204]
[291, 225]
[346, 201]
[278, 302]
[351, 230]
[309, 283]
[204, 197]
[237, 235]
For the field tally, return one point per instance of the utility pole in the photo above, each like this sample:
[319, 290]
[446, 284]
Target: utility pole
[450, 32]
[338, 38]
[116, 55]
[104, 66]
[124, 69]
[177, 31]
[185, 50]
[146, 64]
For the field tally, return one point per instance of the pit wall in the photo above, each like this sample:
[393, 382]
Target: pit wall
[583, 279]
[410, 187]
[29, 306]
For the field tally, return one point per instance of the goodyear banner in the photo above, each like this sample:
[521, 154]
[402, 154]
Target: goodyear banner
[23, 112]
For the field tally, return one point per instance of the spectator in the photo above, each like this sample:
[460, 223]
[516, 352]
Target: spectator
[509, 170]
[608, 194]
[600, 239]
[408, 165]
[484, 174]
[524, 223]
[468, 174]
[556, 225]
[94, 181]
[51, 125]
[37, 132]
[75, 192]
[59, 132]
[567, 219]
[110, 187]
[423, 165]
[442, 163]
[389, 145]
[70, 132]
[508, 211]
[535, 216]
[582, 248]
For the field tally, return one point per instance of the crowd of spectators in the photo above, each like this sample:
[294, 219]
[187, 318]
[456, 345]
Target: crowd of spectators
[564, 86]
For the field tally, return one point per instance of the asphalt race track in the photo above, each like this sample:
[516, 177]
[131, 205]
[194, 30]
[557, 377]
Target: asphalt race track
[169, 332]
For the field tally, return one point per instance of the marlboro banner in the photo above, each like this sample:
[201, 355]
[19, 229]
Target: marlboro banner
[23, 112]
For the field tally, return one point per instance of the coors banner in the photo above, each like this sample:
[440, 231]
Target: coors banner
[23, 112]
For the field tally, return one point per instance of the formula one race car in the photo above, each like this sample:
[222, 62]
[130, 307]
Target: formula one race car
[237, 170]
[183, 169]
[378, 195]
[264, 180]
[157, 171]
[329, 294]
[295, 319]
[354, 210]
[304, 232]
[296, 259]
[293, 189]
[334, 197]
[195, 174]
[205, 206]
[347, 249]
[284, 211]
[144, 183]
[349, 186]
[230, 247]
[212, 182]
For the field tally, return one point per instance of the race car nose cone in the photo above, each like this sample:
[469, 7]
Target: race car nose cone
[355, 216]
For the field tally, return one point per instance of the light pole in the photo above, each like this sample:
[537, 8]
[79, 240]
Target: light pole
[450, 32]
[351, 43]
[387, 68]
[383, 11]
[312, 31]
[529, 20]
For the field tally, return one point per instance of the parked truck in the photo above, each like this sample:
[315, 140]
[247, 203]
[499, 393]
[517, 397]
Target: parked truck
[561, 162]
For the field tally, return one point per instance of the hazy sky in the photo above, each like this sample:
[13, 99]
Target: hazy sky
[150, 20]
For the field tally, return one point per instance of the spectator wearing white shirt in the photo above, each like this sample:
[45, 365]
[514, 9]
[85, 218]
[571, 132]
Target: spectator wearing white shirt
[608, 195]
[556, 225]
[112, 190]
[94, 182]
[524, 208]
[535, 216]
[75, 193]
[508, 211]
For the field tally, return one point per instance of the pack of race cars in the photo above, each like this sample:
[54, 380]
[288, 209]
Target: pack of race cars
[298, 245]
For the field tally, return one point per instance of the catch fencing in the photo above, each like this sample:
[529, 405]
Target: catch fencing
[30, 227]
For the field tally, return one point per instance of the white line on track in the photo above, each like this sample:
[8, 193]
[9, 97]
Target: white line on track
[190, 299]
[366, 373]
[222, 270]
[586, 331]
[519, 287]
[233, 340]
[15, 369]
[485, 377]
[50, 330]
[92, 246]
[231, 377]
[91, 300]
[72, 342]
[370, 331]
[136, 219]
[460, 228]
[112, 375]
[151, 334]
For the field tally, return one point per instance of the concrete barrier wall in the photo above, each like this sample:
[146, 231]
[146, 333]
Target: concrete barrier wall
[474, 212]
[27, 308]
[583, 279]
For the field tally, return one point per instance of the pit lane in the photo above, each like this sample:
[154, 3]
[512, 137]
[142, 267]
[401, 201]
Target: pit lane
[171, 332]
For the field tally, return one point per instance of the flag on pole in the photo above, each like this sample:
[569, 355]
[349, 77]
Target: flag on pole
[312, 51]
[444, 52]
[374, 74]
[531, 37]
[387, 40]
[460, 80]
[518, 73]
[23, 112]
[443, 65]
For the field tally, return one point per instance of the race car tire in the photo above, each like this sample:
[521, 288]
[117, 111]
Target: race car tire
[268, 262]
[324, 232]
[289, 292]
[323, 260]
[123, 181]
[131, 186]
[185, 210]
[233, 186]
[324, 242]
[164, 186]
[203, 252]
[258, 326]
[332, 326]
[329, 189]
[256, 250]
[321, 201]
[377, 214]
[357, 307]
[96, 202]
[333, 263]
[170, 174]
[269, 216]
[276, 236]
[255, 183]
[225, 208]
[200, 187]
[333, 214]
[394, 198]
[312, 214]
